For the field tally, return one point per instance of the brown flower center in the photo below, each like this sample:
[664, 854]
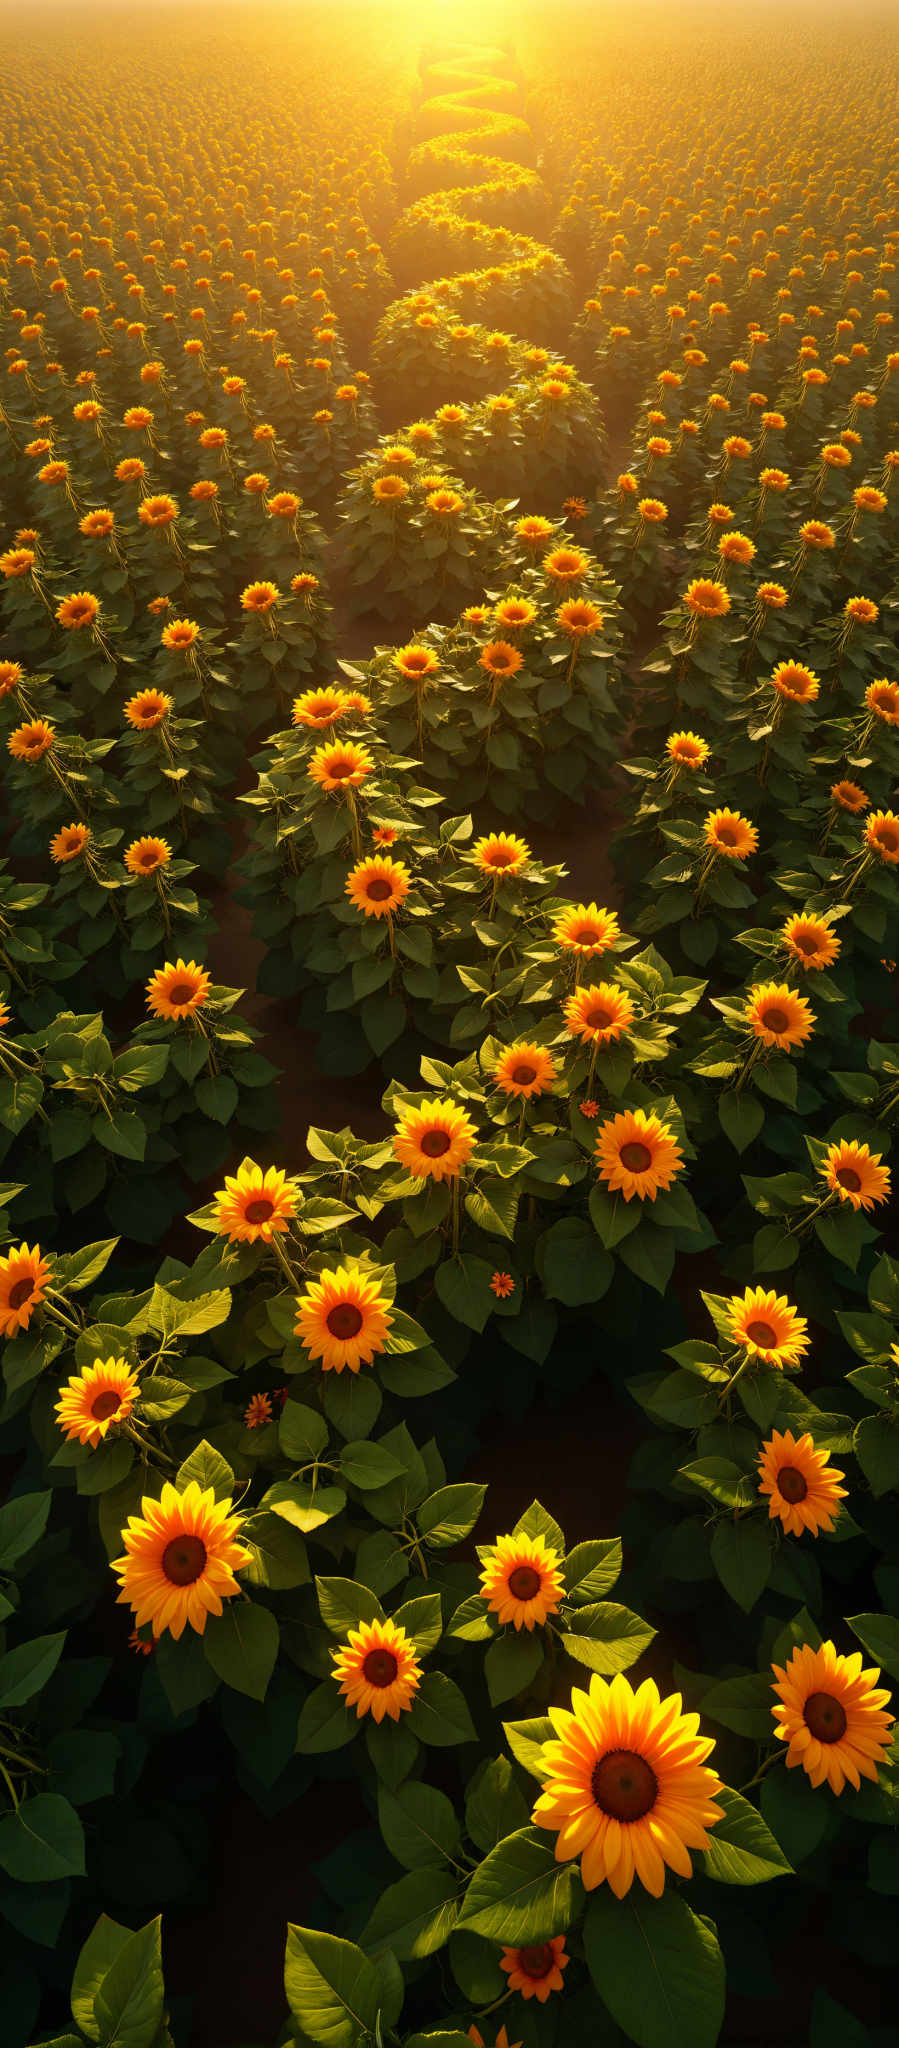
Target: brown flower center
[498, 858]
[599, 1019]
[824, 1717]
[536, 1962]
[379, 890]
[380, 1667]
[624, 1785]
[339, 770]
[726, 835]
[791, 1484]
[183, 1559]
[848, 1179]
[885, 836]
[182, 993]
[435, 1143]
[344, 1320]
[21, 1292]
[105, 1405]
[636, 1158]
[524, 1582]
[524, 1075]
[586, 936]
[148, 859]
[260, 1210]
[775, 1020]
[806, 942]
[763, 1335]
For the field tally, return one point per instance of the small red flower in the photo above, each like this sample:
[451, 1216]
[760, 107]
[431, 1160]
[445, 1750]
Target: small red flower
[502, 1285]
[589, 1107]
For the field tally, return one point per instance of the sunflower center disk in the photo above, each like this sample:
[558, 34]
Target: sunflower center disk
[636, 1158]
[181, 993]
[524, 1582]
[21, 1292]
[435, 1143]
[105, 1405]
[380, 1668]
[536, 1962]
[587, 937]
[259, 1212]
[763, 1335]
[183, 1560]
[825, 1717]
[599, 1019]
[806, 943]
[848, 1179]
[379, 890]
[500, 860]
[345, 1320]
[726, 835]
[775, 1020]
[624, 1785]
[791, 1484]
[524, 1075]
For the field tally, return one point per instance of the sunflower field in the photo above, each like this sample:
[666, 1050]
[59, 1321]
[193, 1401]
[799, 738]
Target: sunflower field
[449, 1056]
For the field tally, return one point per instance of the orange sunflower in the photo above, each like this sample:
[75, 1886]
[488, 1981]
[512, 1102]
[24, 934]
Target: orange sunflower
[145, 856]
[536, 1971]
[415, 663]
[255, 1203]
[23, 1284]
[343, 1318]
[180, 634]
[11, 674]
[93, 1399]
[566, 565]
[776, 1015]
[178, 990]
[637, 1155]
[810, 940]
[340, 764]
[158, 511]
[802, 1487]
[524, 1070]
[628, 1787]
[883, 699]
[257, 1412]
[881, 834]
[30, 742]
[767, 1326]
[522, 1581]
[687, 749]
[378, 885]
[856, 1174]
[515, 613]
[148, 709]
[586, 930]
[434, 1141]
[849, 796]
[502, 2039]
[69, 843]
[259, 597]
[181, 1554]
[500, 659]
[378, 1670]
[832, 1715]
[729, 833]
[795, 683]
[579, 618]
[501, 854]
[599, 1013]
[706, 599]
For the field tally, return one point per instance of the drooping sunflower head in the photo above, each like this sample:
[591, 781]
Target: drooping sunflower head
[255, 1203]
[730, 834]
[767, 1326]
[377, 1669]
[811, 941]
[24, 1275]
[856, 1174]
[599, 1014]
[340, 765]
[343, 1318]
[68, 843]
[500, 855]
[628, 1787]
[95, 1398]
[148, 709]
[687, 750]
[521, 1581]
[637, 1155]
[434, 1141]
[181, 1556]
[145, 856]
[802, 1487]
[776, 1015]
[378, 885]
[586, 930]
[536, 1971]
[523, 1070]
[178, 991]
[832, 1715]
[882, 835]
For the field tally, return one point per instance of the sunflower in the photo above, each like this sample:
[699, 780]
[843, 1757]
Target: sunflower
[515, 613]
[536, 1971]
[882, 698]
[181, 1554]
[817, 534]
[856, 1174]
[687, 750]
[565, 565]
[23, 1283]
[501, 854]
[304, 584]
[810, 940]
[795, 683]
[259, 597]
[586, 930]
[801, 1485]
[389, 490]
[378, 1670]
[95, 1398]
[653, 511]
[146, 856]
[340, 765]
[705, 599]
[737, 547]
[628, 1788]
[255, 1203]
[499, 660]
[95, 525]
[148, 709]
[343, 1319]
[522, 1581]
[11, 675]
[180, 634]
[415, 663]
[773, 596]
[532, 530]
[30, 742]
[881, 833]
[777, 1016]
[861, 610]
[720, 515]
[729, 833]
[377, 886]
[130, 470]
[79, 610]
[17, 561]
[69, 843]
[159, 511]
[178, 990]
[849, 796]
[637, 1154]
[832, 1715]
[317, 709]
[502, 1285]
[599, 1013]
[257, 1412]
[524, 1070]
[434, 1141]
[768, 1327]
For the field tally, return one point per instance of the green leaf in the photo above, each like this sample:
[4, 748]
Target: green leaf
[449, 1515]
[80, 1269]
[241, 1645]
[741, 1118]
[26, 1669]
[439, 1713]
[657, 1967]
[415, 1916]
[351, 1402]
[537, 1522]
[325, 1721]
[22, 1524]
[333, 1990]
[129, 2002]
[743, 1705]
[527, 1741]
[216, 1095]
[209, 1469]
[123, 1133]
[793, 1810]
[493, 1206]
[877, 1450]
[172, 1317]
[95, 1960]
[418, 1824]
[42, 1840]
[743, 1849]
[344, 1603]
[721, 1479]
[832, 2026]
[307, 1507]
[520, 1895]
[302, 1433]
[277, 1553]
[575, 1268]
[83, 1764]
[367, 1465]
[512, 1661]
[422, 1619]
[606, 1637]
[879, 1635]
[741, 1555]
[494, 1804]
[463, 1285]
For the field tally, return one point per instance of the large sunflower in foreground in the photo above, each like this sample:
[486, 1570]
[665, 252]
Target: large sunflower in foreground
[627, 1789]
[801, 1485]
[856, 1174]
[93, 1399]
[181, 1554]
[522, 1580]
[343, 1318]
[637, 1155]
[767, 1326]
[23, 1284]
[378, 1670]
[255, 1203]
[832, 1715]
[435, 1140]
